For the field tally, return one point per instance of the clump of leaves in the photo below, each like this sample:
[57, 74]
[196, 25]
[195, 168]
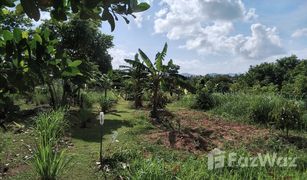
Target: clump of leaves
[49, 161]
[287, 115]
[204, 101]
[106, 104]
[261, 109]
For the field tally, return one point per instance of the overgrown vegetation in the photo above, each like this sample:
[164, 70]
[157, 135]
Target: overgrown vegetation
[57, 77]
[49, 160]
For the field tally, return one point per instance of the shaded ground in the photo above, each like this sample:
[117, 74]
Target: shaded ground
[198, 133]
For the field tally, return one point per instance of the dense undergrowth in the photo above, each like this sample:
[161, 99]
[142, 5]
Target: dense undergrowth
[131, 156]
[265, 109]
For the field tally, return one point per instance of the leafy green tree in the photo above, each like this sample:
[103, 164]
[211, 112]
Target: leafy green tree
[82, 40]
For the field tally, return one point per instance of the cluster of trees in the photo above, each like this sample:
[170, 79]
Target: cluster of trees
[59, 52]
[68, 53]
[286, 76]
[155, 77]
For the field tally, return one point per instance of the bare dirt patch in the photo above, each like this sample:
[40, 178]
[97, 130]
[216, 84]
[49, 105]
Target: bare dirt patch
[200, 133]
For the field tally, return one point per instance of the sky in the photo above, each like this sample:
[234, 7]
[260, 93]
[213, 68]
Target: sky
[213, 36]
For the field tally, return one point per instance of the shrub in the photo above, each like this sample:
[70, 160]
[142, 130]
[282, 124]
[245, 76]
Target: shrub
[287, 115]
[261, 108]
[50, 126]
[85, 116]
[40, 96]
[49, 162]
[106, 104]
[204, 101]
[187, 101]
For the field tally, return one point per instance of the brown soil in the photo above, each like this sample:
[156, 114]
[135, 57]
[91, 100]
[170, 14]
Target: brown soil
[200, 133]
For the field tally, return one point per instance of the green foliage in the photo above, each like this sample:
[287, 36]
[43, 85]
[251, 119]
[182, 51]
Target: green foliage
[261, 108]
[187, 101]
[297, 89]
[153, 168]
[49, 161]
[264, 109]
[158, 74]
[136, 76]
[49, 164]
[106, 104]
[50, 126]
[204, 101]
[3, 143]
[288, 115]
[85, 115]
[163, 99]
[40, 96]
[85, 10]
[7, 106]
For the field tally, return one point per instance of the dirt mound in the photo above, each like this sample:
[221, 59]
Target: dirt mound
[203, 133]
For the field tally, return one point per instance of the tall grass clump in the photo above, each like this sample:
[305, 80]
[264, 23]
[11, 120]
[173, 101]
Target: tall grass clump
[40, 96]
[89, 99]
[186, 101]
[49, 161]
[265, 109]
[234, 106]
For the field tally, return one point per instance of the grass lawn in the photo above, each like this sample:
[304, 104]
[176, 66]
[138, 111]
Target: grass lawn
[142, 150]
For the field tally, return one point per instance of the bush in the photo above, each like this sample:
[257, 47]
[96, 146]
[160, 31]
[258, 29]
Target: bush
[287, 115]
[106, 104]
[265, 109]
[85, 116]
[204, 101]
[187, 101]
[50, 126]
[49, 162]
[40, 96]
[88, 100]
[261, 108]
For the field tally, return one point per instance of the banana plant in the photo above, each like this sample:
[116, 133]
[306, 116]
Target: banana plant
[158, 73]
[136, 73]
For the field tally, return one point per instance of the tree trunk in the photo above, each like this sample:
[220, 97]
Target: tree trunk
[53, 103]
[154, 112]
[138, 102]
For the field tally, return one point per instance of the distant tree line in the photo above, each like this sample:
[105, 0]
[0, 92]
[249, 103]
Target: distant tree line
[286, 76]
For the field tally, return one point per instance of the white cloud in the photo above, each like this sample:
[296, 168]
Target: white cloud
[263, 43]
[208, 27]
[119, 55]
[299, 33]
